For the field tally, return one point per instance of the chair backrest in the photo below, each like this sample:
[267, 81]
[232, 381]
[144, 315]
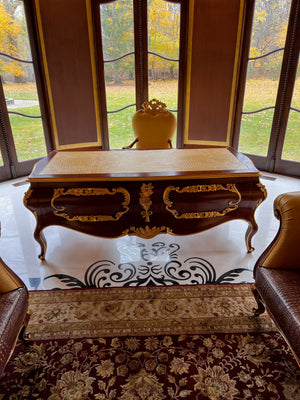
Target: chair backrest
[284, 252]
[8, 279]
[154, 126]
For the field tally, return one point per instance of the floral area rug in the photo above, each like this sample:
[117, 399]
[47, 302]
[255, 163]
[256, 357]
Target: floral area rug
[140, 349]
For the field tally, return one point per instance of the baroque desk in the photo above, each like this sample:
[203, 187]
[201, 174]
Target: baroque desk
[111, 193]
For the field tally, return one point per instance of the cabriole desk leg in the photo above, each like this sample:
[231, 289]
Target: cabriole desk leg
[253, 227]
[40, 238]
[38, 235]
[251, 230]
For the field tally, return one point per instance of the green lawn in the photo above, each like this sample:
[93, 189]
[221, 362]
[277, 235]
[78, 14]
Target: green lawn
[28, 133]
[255, 128]
[254, 137]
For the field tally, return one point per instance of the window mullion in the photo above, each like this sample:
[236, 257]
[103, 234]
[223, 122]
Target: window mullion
[184, 12]
[141, 51]
[9, 152]
[101, 79]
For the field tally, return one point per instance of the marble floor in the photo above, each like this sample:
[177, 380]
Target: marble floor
[76, 260]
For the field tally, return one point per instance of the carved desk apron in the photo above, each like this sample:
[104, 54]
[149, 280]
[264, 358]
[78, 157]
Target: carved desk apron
[111, 193]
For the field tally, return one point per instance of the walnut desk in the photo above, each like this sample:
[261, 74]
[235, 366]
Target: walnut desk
[110, 193]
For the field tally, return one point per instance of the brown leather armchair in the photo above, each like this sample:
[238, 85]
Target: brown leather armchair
[14, 314]
[277, 273]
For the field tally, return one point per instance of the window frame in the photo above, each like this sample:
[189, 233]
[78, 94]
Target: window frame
[273, 162]
[13, 168]
[141, 62]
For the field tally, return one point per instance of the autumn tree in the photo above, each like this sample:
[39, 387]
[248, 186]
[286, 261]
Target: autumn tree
[10, 31]
[117, 37]
[268, 34]
[163, 36]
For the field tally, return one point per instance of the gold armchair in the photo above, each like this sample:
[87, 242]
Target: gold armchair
[153, 126]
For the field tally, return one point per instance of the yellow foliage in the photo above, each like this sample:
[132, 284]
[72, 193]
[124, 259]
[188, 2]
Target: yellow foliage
[10, 30]
[269, 32]
[261, 15]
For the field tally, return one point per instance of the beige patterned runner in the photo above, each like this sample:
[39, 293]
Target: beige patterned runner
[109, 312]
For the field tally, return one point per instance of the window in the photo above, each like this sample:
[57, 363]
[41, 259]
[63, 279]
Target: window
[264, 65]
[22, 135]
[140, 47]
[270, 113]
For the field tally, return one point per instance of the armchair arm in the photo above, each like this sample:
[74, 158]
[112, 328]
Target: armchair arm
[8, 279]
[284, 250]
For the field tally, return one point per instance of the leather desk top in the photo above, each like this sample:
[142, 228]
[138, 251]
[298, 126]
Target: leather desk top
[142, 164]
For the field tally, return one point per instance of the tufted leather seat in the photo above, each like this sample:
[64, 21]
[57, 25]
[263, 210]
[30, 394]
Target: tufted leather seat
[277, 272]
[14, 314]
